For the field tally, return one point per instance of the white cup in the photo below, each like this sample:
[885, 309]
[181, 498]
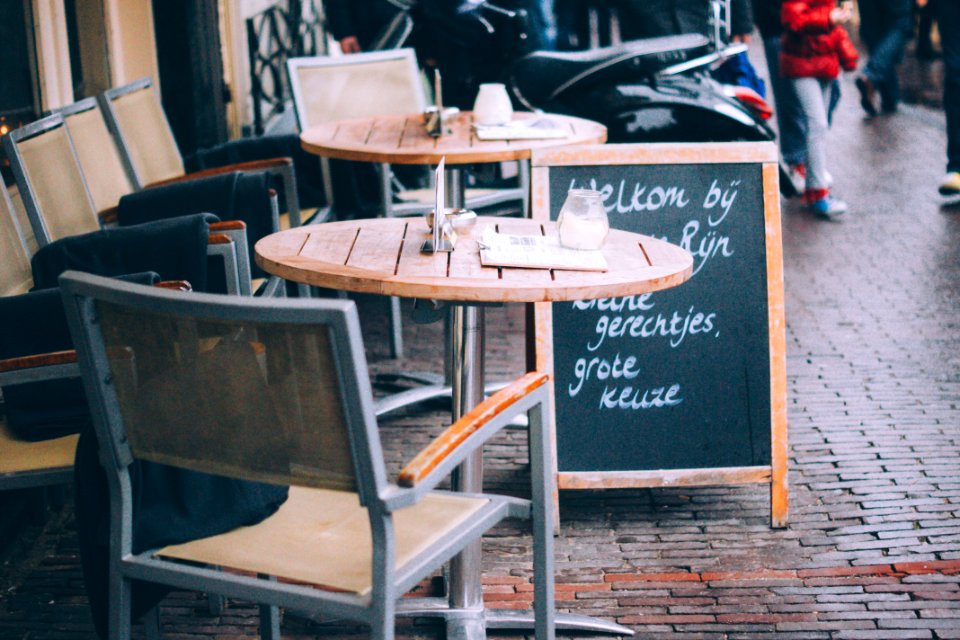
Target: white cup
[492, 105]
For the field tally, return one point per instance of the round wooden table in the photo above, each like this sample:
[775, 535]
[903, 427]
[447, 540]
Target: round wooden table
[402, 139]
[383, 256]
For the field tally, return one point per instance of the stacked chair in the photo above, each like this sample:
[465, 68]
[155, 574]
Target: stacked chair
[151, 157]
[58, 203]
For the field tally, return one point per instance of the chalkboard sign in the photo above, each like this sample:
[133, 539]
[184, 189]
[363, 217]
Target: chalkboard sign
[685, 386]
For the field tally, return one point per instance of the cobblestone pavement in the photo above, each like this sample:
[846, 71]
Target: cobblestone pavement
[873, 546]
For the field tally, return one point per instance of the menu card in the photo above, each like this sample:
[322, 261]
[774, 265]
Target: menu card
[535, 252]
[525, 129]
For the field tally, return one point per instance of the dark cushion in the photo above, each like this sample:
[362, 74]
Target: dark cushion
[175, 248]
[231, 196]
[31, 324]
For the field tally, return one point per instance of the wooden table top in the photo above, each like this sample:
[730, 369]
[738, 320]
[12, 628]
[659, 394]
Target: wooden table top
[402, 139]
[382, 256]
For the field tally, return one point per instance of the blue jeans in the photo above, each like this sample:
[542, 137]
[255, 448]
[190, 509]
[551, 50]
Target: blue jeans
[885, 26]
[948, 21]
[790, 121]
[813, 97]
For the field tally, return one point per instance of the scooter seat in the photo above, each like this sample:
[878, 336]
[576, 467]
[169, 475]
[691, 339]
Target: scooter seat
[543, 75]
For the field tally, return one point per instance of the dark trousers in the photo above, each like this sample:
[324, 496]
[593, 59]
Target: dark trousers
[948, 20]
[885, 26]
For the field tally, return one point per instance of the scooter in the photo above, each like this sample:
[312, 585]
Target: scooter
[650, 90]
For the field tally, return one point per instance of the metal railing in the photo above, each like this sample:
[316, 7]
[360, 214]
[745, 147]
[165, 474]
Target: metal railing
[289, 28]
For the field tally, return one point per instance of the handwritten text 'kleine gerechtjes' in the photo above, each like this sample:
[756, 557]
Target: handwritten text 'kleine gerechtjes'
[639, 325]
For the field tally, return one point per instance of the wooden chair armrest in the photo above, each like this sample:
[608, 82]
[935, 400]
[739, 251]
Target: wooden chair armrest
[460, 431]
[38, 360]
[175, 285]
[220, 231]
[252, 165]
[109, 216]
[227, 225]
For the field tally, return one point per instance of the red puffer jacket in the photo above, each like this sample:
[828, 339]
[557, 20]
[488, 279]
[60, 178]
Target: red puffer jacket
[812, 46]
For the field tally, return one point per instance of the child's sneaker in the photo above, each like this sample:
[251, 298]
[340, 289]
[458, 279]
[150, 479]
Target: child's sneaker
[950, 185]
[828, 206]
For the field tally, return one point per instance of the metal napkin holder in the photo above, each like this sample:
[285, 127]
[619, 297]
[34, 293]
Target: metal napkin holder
[443, 237]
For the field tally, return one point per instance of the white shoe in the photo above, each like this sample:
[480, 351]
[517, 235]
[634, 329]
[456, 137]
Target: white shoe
[950, 185]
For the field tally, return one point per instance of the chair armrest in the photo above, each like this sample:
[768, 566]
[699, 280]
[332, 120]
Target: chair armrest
[252, 165]
[39, 367]
[220, 232]
[109, 216]
[227, 225]
[438, 458]
[175, 285]
[38, 360]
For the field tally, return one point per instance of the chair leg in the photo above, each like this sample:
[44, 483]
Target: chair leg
[396, 328]
[269, 622]
[118, 615]
[151, 624]
[269, 618]
[542, 495]
[215, 604]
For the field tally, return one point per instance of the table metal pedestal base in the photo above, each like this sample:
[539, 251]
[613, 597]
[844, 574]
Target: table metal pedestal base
[471, 624]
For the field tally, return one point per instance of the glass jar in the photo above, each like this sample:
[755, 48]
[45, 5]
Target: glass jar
[583, 222]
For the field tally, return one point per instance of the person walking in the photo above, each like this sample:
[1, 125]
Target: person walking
[791, 124]
[355, 24]
[653, 18]
[885, 27]
[814, 47]
[948, 22]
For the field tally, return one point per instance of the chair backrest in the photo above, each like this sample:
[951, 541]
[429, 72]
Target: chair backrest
[100, 158]
[327, 88]
[15, 274]
[51, 183]
[276, 391]
[136, 119]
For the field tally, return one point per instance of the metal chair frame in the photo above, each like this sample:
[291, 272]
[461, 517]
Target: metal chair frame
[338, 320]
[125, 145]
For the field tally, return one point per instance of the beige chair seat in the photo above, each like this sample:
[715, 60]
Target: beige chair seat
[427, 195]
[20, 456]
[306, 217]
[322, 537]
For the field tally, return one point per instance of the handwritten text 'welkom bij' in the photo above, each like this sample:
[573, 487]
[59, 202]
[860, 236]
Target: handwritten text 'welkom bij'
[702, 235]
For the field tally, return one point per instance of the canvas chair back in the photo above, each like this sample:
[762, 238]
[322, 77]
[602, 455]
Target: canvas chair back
[136, 119]
[100, 158]
[297, 379]
[15, 275]
[51, 183]
[329, 88]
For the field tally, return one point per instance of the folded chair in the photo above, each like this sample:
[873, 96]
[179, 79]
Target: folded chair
[297, 411]
[58, 203]
[150, 155]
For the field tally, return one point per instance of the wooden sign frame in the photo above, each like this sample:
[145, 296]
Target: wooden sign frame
[765, 154]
